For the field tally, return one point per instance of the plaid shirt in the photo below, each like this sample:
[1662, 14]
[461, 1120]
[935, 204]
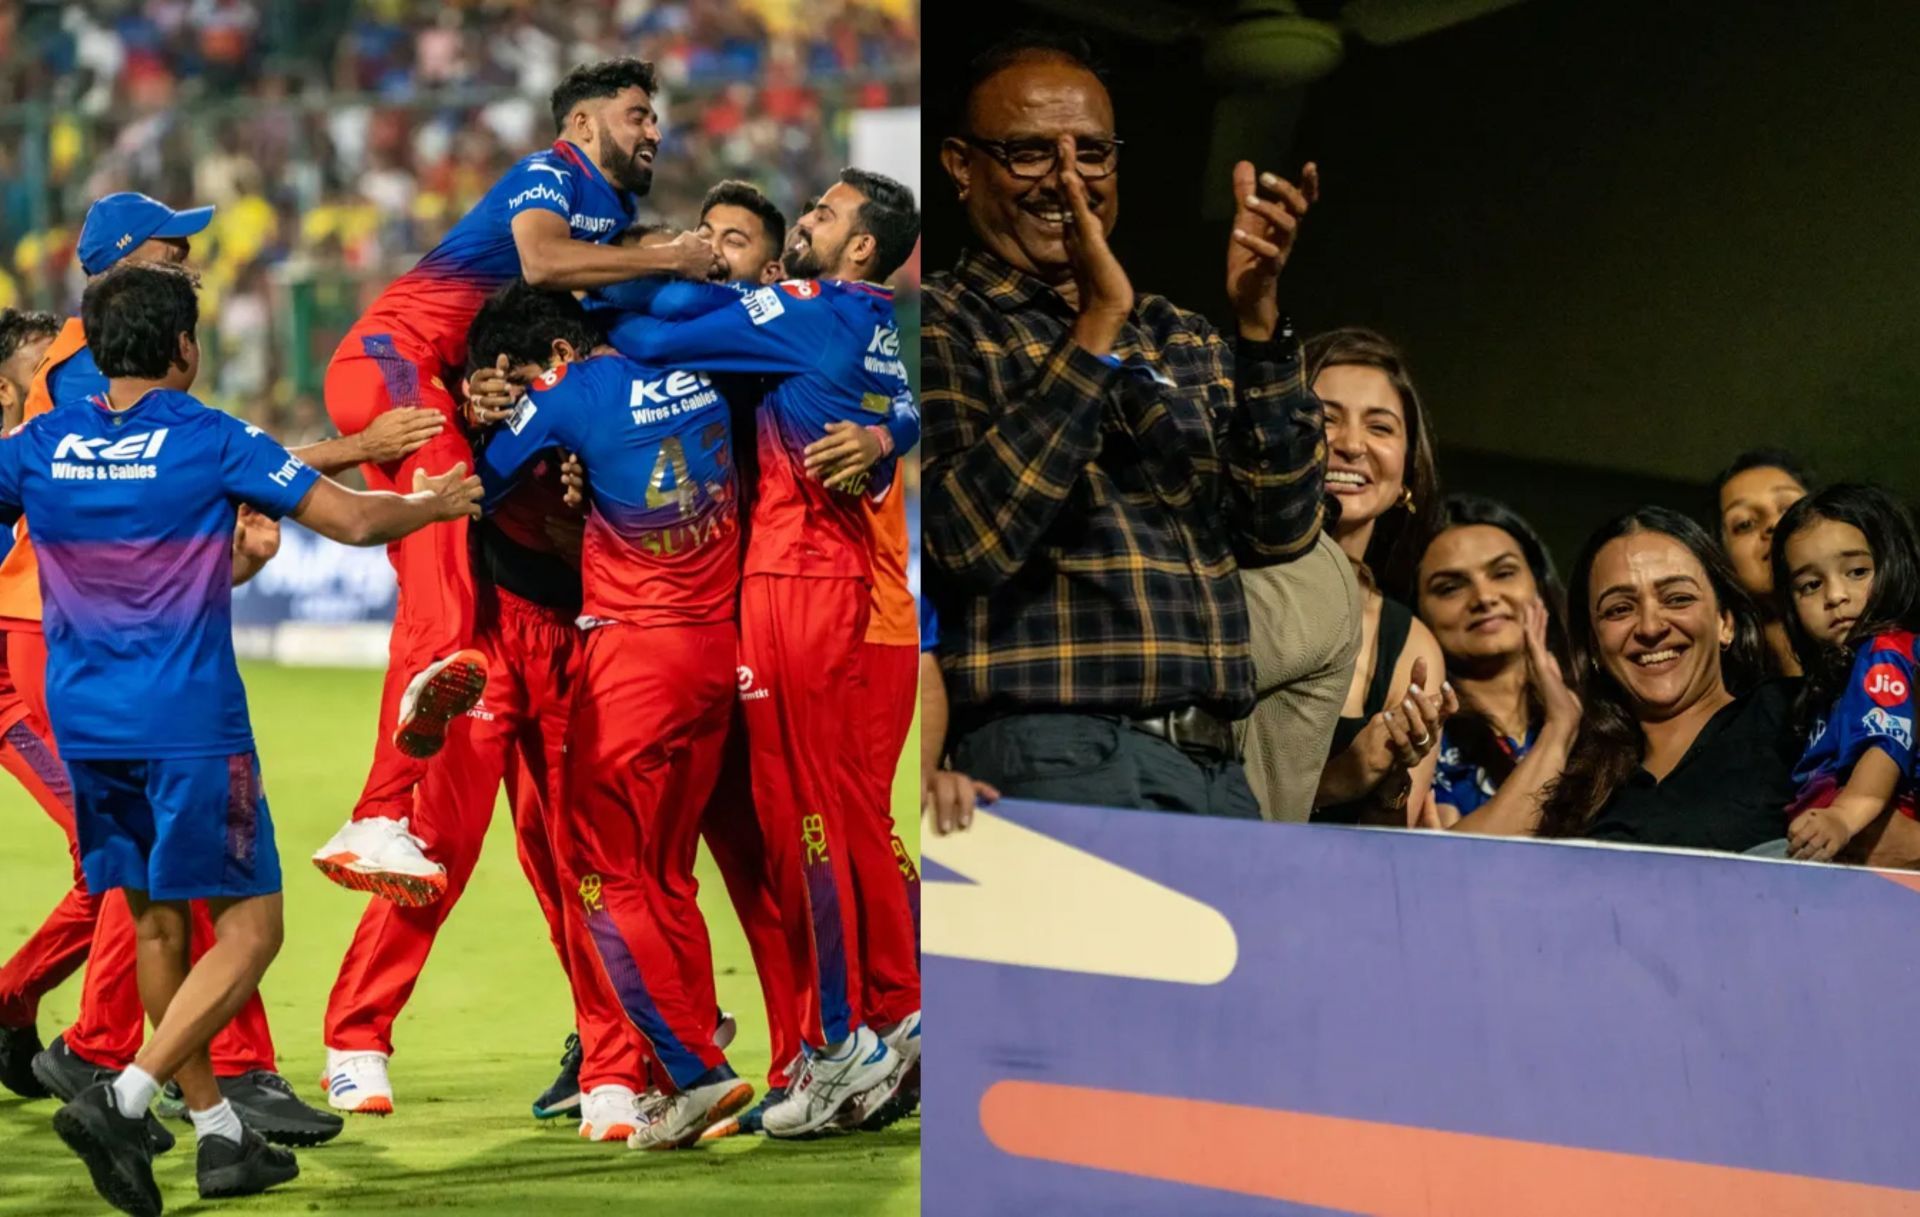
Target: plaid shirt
[1087, 517]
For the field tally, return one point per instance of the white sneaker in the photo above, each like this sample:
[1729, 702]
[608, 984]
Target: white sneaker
[357, 1082]
[904, 1039]
[609, 1113]
[677, 1121]
[828, 1080]
[381, 856]
[724, 1031]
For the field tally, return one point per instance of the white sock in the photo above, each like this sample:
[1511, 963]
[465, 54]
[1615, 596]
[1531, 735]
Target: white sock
[219, 1121]
[133, 1090]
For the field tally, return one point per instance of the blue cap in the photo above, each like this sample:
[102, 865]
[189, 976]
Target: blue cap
[118, 223]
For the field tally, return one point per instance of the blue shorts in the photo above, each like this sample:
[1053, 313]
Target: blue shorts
[185, 828]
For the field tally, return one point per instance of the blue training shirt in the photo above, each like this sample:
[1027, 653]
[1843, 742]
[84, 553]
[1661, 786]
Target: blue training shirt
[1875, 710]
[133, 516]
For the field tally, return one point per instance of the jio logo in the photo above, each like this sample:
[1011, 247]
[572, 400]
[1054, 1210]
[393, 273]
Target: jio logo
[1885, 685]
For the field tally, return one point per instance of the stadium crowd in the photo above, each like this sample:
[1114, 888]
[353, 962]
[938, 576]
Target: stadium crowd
[1173, 571]
[339, 142]
[638, 485]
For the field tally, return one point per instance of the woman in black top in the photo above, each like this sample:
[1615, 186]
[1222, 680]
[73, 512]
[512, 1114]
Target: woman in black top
[1380, 476]
[1681, 742]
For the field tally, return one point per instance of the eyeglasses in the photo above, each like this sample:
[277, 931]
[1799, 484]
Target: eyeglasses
[1032, 159]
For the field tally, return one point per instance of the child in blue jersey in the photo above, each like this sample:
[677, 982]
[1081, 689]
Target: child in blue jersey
[1846, 567]
[133, 497]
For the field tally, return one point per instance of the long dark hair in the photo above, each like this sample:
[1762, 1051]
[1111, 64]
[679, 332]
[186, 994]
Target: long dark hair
[1611, 744]
[1894, 603]
[1469, 730]
[1401, 535]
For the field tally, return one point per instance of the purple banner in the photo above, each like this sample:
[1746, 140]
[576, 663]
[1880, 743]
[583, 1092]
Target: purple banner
[1151, 1014]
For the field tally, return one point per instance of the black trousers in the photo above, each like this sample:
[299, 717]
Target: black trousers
[1082, 758]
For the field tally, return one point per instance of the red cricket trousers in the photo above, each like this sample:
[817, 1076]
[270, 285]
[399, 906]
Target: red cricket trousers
[800, 644]
[372, 372]
[52, 952]
[112, 1019]
[516, 733]
[732, 831]
[649, 729]
[886, 883]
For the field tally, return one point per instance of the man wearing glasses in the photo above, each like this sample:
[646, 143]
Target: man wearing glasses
[1100, 465]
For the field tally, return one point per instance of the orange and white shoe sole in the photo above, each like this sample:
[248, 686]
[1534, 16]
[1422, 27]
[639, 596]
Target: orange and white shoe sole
[377, 1105]
[407, 891]
[730, 1103]
[612, 1132]
[448, 693]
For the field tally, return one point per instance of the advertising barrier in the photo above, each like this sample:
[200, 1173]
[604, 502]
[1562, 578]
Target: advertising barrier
[317, 603]
[1160, 1014]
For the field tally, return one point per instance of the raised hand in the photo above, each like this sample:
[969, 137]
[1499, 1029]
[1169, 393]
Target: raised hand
[1557, 698]
[1266, 221]
[693, 257]
[491, 398]
[451, 495]
[1105, 292]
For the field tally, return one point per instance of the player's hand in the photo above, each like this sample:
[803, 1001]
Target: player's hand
[1816, 835]
[573, 476]
[1266, 220]
[397, 432]
[693, 257]
[949, 800]
[846, 451]
[1106, 294]
[453, 495]
[256, 537]
[490, 398]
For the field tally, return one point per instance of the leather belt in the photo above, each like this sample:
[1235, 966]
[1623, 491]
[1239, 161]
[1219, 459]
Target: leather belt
[1191, 729]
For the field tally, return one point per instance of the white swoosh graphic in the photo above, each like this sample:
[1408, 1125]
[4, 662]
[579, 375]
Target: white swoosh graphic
[1038, 903]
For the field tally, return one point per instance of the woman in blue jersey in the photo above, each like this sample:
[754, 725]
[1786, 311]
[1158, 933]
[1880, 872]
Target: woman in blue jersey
[1486, 588]
[1846, 573]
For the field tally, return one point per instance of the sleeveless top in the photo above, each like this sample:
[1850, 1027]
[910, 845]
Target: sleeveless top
[1396, 622]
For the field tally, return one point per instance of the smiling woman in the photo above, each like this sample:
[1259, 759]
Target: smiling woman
[1380, 474]
[1681, 744]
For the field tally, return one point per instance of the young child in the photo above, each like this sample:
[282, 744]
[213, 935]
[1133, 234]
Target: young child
[1846, 567]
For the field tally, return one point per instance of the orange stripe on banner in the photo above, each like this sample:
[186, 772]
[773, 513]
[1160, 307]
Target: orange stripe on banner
[1390, 1170]
[1904, 879]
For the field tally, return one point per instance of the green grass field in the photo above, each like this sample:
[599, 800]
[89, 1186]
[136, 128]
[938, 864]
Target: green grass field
[480, 1038]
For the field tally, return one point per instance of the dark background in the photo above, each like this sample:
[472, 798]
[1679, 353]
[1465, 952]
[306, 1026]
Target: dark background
[1619, 242]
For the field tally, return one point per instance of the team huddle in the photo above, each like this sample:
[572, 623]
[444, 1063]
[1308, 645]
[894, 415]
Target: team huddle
[668, 603]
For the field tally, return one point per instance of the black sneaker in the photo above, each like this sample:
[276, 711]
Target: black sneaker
[265, 1102]
[115, 1149]
[68, 1074]
[18, 1047]
[246, 1169]
[563, 1097]
[65, 1072]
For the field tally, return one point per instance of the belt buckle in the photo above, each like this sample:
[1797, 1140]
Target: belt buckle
[1178, 732]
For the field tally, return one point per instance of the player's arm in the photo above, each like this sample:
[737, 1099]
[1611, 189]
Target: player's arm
[375, 517]
[536, 426]
[766, 331]
[391, 435]
[849, 449]
[551, 258]
[667, 299]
